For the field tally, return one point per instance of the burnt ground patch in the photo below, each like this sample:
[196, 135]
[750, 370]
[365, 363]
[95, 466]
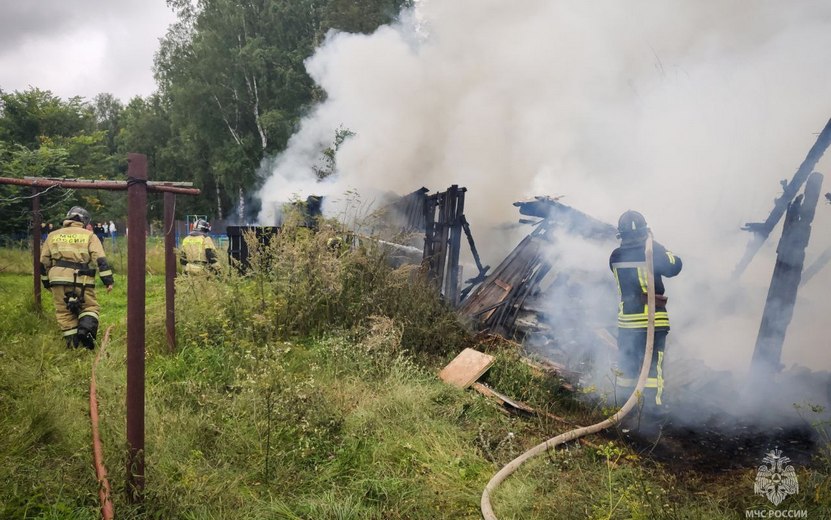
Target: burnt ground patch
[716, 444]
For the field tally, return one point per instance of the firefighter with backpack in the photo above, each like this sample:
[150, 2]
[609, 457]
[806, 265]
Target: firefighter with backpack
[198, 252]
[68, 264]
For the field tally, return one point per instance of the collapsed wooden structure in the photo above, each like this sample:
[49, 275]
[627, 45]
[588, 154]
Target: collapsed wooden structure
[798, 210]
[439, 218]
[509, 299]
[785, 282]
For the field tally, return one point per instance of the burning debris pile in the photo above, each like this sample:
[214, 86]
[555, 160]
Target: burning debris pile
[515, 301]
[563, 309]
[554, 295]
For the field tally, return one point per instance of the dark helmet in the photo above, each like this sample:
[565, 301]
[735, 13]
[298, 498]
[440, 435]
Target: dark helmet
[202, 225]
[631, 225]
[78, 214]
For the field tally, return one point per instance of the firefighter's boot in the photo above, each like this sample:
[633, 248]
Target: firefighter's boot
[71, 341]
[87, 330]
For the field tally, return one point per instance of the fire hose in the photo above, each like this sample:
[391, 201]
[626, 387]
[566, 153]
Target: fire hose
[97, 452]
[508, 469]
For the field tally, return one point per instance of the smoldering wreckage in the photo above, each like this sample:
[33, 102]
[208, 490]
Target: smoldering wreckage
[564, 317]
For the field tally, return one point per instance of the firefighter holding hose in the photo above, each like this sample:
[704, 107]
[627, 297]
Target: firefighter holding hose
[198, 253]
[628, 263]
[65, 269]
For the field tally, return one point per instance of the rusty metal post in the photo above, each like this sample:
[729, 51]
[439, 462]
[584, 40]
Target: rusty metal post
[170, 270]
[36, 236]
[785, 282]
[136, 249]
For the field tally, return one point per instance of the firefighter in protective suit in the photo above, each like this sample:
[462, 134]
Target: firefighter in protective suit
[198, 253]
[65, 269]
[628, 263]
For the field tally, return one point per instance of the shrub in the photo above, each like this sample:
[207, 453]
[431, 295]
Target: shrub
[307, 282]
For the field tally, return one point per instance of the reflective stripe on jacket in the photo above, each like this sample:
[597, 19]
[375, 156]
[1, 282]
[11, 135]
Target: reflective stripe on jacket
[195, 249]
[72, 244]
[628, 263]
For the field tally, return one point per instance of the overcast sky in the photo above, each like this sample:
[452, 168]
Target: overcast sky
[81, 47]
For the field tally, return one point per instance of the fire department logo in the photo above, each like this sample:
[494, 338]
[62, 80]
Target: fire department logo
[776, 479]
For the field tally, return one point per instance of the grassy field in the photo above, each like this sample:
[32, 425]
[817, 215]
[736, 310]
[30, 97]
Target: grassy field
[307, 390]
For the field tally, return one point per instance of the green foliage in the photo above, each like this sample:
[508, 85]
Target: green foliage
[232, 89]
[44, 136]
[107, 110]
[33, 113]
[360, 16]
[234, 81]
[310, 283]
[245, 422]
[328, 165]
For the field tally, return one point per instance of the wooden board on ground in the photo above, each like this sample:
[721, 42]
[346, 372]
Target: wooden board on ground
[466, 368]
[541, 367]
[509, 405]
[503, 399]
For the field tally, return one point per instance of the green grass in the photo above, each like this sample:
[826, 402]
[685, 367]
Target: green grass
[249, 419]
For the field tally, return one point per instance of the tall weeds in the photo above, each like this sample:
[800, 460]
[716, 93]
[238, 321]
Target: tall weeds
[308, 282]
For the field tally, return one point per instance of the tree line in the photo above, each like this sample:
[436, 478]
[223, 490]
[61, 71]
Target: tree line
[231, 89]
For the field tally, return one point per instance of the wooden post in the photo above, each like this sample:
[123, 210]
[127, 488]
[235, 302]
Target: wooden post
[170, 270]
[429, 232]
[136, 249]
[457, 209]
[785, 282]
[36, 236]
[443, 232]
[761, 230]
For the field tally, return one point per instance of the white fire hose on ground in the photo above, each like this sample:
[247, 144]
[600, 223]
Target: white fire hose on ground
[505, 472]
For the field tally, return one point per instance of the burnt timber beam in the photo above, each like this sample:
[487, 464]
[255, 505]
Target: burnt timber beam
[482, 270]
[429, 232]
[761, 230]
[456, 206]
[443, 234]
[444, 219]
[784, 285]
[563, 216]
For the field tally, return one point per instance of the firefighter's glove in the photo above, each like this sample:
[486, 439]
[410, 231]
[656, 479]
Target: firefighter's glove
[73, 302]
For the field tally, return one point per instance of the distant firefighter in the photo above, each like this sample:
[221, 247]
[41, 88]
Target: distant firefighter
[198, 253]
[628, 263]
[65, 269]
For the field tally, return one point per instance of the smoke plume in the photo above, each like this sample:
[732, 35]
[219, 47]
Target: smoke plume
[690, 112]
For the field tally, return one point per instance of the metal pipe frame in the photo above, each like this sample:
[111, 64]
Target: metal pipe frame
[159, 187]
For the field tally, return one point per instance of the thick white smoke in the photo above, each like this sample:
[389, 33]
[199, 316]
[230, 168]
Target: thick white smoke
[690, 112]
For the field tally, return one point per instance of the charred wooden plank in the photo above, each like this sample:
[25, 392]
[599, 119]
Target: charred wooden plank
[785, 282]
[761, 230]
